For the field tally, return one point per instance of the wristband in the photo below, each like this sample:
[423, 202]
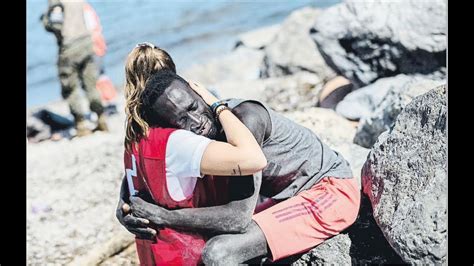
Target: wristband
[217, 104]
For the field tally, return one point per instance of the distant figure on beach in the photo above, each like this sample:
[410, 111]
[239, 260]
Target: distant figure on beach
[46, 125]
[66, 20]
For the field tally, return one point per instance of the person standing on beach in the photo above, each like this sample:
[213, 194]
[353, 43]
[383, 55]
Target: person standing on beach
[65, 19]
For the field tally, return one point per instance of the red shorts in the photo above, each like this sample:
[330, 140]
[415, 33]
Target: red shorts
[304, 221]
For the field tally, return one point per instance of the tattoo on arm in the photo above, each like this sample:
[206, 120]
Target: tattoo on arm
[234, 172]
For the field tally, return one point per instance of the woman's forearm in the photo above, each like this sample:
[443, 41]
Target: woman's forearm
[236, 132]
[241, 154]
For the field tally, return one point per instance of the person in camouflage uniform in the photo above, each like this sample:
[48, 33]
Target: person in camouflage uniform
[65, 19]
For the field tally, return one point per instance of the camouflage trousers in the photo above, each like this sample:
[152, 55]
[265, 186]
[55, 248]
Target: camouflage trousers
[77, 68]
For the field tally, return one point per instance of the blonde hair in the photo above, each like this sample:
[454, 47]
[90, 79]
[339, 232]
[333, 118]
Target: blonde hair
[142, 62]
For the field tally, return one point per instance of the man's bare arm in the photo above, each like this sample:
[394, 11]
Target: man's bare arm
[138, 226]
[233, 217]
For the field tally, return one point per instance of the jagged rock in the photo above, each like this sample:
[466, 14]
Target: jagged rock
[288, 93]
[293, 92]
[292, 50]
[362, 102]
[369, 246]
[384, 115]
[334, 251]
[367, 40]
[405, 178]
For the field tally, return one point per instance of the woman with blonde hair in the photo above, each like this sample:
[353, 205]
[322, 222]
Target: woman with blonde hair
[168, 164]
[143, 61]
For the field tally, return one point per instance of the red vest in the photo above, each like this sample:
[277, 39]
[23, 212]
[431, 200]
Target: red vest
[170, 247]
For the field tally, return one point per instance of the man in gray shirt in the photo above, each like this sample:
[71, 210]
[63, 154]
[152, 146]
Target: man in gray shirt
[311, 190]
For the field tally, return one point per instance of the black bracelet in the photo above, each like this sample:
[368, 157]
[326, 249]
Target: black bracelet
[214, 106]
[217, 104]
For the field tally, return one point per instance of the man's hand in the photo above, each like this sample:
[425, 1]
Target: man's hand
[145, 210]
[206, 95]
[137, 226]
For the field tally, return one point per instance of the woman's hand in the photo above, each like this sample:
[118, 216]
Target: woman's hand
[207, 96]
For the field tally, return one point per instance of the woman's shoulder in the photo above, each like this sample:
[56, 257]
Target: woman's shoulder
[154, 144]
[158, 133]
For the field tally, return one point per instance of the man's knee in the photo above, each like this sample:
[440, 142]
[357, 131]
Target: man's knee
[217, 252]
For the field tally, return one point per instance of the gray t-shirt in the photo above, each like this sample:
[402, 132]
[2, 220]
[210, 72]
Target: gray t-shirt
[297, 158]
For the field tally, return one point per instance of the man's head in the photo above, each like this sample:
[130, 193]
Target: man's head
[169, 101]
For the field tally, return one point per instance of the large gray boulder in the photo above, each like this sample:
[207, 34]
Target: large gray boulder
[362, 102]
[367, 40]
[405, 178]
[287, 93]
[334, 251]
[292, 49]
[298, 91]
[384, 115]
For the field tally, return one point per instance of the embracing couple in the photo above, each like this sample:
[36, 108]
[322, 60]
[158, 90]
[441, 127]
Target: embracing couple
[196, 165]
